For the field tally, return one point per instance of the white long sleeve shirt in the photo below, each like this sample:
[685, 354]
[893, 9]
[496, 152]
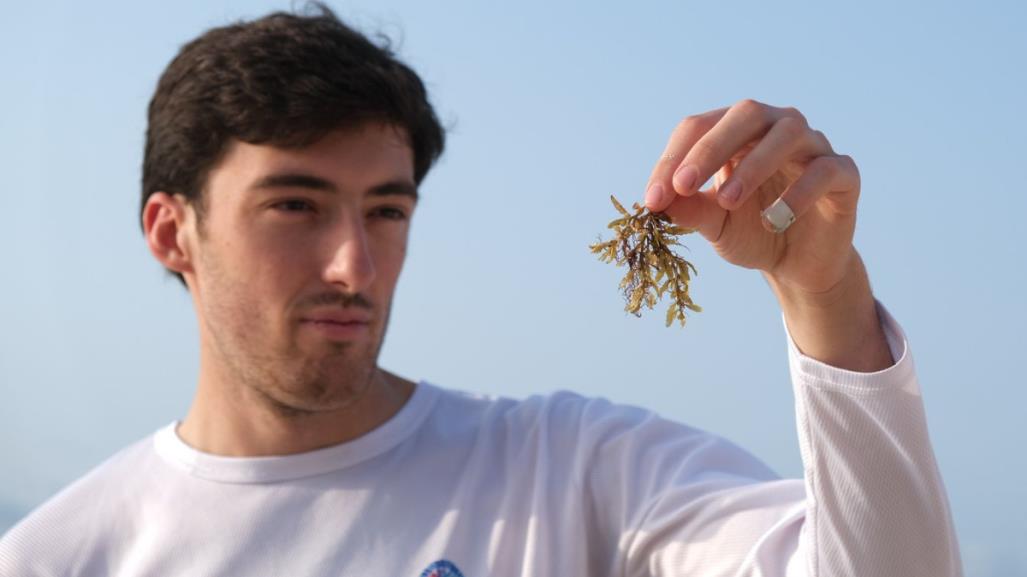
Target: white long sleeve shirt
[458, 484]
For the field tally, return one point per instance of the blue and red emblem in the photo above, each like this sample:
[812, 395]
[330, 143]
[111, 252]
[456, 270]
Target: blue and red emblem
[442, 568]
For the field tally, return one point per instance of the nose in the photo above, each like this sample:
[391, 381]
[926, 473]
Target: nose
[351, 265]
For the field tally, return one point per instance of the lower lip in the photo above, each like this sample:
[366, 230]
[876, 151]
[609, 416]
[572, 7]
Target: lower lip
[338, 330]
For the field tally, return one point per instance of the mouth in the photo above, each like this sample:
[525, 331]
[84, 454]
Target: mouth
[337, 330]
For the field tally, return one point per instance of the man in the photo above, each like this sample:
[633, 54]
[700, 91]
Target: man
[281, 170]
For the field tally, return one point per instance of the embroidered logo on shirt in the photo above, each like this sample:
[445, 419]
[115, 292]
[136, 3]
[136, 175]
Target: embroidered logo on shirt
[442, 568]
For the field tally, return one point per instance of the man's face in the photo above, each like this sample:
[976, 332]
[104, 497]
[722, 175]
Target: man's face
[293, 244]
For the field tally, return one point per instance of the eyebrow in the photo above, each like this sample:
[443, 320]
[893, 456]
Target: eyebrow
[309, 181]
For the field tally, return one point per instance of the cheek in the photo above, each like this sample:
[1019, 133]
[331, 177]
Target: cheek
[389, 260]
[242, 285]
[271, 256]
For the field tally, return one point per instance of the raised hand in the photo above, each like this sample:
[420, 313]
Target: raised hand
[760, 155]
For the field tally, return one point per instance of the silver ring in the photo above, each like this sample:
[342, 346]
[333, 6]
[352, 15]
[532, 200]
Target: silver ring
[778, 216]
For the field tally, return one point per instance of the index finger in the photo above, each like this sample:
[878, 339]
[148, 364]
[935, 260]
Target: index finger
[701, 144]
[659, 193]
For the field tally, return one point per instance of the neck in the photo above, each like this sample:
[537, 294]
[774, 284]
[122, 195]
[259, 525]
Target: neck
[228, 418]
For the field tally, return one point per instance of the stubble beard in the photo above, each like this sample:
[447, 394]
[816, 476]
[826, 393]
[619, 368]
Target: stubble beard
[296, 383]
[288, 381]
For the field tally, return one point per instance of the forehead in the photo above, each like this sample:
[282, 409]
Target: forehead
[353, 160]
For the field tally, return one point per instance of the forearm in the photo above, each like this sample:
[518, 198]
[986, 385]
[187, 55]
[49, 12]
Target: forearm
[876, 504]
[839, 327]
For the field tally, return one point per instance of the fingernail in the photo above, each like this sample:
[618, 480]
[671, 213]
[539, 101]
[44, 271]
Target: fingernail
[685, 177]
[654, 196]
[731, 191]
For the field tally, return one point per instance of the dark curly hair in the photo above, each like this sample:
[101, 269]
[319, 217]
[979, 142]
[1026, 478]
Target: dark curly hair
[285, 80]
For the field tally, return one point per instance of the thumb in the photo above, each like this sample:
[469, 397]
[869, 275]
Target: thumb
[701, 211]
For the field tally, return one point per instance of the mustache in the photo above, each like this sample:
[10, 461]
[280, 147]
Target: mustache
[340, 300]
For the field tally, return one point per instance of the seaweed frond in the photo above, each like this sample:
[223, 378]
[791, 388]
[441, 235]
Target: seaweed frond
[642, 241]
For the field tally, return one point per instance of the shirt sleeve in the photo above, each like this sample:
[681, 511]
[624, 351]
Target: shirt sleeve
[679, 502]
[875, 501]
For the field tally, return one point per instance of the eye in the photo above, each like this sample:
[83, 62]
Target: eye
[391, 213]
[293, 205]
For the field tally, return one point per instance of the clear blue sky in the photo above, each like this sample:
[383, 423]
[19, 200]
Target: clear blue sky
[553, 107]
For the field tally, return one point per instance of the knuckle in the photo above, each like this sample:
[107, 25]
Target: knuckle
[827, 166]
[850, 163]
[838, 169]
[686, 123]
[748, 104]
[793, 112]
[751, 108]
[792, 127]
[820, 140]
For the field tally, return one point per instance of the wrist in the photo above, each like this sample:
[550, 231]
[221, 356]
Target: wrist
[838, 326]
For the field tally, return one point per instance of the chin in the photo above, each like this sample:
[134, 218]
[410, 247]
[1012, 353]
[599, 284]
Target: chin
[334, 384]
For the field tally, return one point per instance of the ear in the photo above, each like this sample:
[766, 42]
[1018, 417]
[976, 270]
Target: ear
[169, 226]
